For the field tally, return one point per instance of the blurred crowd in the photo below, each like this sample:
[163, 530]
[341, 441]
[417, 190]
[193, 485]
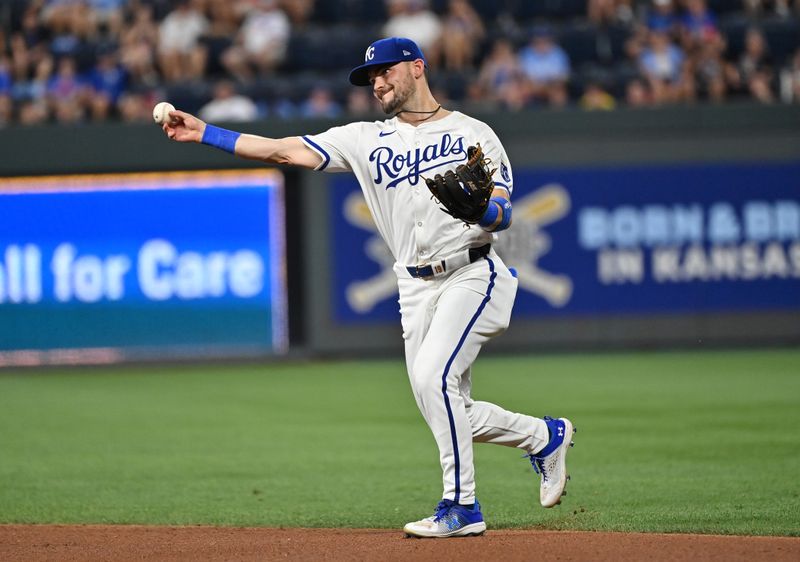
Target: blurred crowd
[73, 61]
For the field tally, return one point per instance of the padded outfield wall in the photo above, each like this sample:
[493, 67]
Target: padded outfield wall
[632, 228]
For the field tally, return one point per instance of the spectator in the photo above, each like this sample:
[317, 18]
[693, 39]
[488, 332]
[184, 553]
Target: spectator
[129, 107]
[283, 108]
[65, 83]
[137, 106]
[595, 97]
[35, 88]
[413, 19]
[709, 71]
[757, 8]
[28, 45]
[661, 16]
[261, 42]
[6, 109]
[752, 75]
[60, 15]
[320, 103]
[664, 66]
[33, 112]
[107, 14]
[218, 38]
[107, 81]
[790, 80]
[637, 94]
[698, 26]
[360, 102]
[74, 35]
[299, 11]
[228, 105]
[464, 31]
[181, 56]
[636, 42]
[66, 92]
[6, 78]
[546, 69]
[605, 12]
[500, 80]
[138, 47]
[167, 41]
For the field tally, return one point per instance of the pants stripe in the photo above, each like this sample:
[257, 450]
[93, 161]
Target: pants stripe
[449, 409]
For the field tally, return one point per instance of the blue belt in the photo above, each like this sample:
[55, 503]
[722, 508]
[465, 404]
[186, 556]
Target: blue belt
[440, 268]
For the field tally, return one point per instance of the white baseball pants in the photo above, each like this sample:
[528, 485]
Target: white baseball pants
[445, 322]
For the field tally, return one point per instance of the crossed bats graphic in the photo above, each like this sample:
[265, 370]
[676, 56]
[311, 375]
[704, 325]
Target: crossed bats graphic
[362, 296]
[520, 247]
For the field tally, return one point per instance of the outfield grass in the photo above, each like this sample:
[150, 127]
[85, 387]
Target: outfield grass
[673, 442]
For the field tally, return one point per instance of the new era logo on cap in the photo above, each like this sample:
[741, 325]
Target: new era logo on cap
[384, 52]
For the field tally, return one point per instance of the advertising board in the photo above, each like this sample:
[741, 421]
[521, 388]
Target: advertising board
[118, 266]
[642, 240]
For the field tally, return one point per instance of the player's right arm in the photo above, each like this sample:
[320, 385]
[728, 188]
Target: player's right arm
[291, 151]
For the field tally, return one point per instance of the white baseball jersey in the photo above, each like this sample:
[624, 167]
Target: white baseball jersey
[390, 159]
[446, 319]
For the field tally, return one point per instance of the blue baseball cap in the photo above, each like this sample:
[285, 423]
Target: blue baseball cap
[385, 51]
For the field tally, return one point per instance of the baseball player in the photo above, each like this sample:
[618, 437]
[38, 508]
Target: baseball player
[455, 292]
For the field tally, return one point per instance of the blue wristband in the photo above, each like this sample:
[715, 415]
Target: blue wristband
[220, 138]
[493, 211]
[488, 218]
[506, 221]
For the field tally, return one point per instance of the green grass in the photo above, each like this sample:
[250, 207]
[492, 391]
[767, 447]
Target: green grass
[673, 442]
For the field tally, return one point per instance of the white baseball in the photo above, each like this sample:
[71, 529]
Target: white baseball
[161, 112]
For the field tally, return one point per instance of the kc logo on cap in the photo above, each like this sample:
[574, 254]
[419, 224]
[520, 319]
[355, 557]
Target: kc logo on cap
[385, 52]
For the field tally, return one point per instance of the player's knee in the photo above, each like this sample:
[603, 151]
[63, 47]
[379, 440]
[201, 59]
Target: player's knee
[425, 380]
[427, 384]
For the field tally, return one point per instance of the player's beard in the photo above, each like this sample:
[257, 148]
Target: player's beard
[400, 95]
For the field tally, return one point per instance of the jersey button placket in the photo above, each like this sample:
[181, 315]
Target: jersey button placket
[419, 230]
[419, 237]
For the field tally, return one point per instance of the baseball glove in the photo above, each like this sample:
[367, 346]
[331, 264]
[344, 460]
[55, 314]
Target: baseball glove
[465, 192]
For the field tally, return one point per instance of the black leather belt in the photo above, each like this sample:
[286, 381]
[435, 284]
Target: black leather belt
[441, 267]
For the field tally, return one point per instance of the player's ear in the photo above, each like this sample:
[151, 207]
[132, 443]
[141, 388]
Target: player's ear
[418, 68]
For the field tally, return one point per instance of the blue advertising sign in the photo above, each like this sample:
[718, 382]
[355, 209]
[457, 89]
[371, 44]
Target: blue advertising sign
[620, 240]
[186, 263]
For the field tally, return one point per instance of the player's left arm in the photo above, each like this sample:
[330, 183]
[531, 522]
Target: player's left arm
[498, 215]
[499, 209]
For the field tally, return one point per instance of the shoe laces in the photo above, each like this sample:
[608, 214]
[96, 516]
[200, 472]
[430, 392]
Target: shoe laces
[538, 465]
[442, 509]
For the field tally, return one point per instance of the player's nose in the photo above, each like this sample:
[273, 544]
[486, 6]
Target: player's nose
[378, 86]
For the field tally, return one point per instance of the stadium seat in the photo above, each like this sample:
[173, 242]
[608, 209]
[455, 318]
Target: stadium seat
[580, 42]
[189, 97]
[783, 37]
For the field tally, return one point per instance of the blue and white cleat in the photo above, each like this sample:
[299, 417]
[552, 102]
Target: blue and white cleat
[551, 462]
[450, 520]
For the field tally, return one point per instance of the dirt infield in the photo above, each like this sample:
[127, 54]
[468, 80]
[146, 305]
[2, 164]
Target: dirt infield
[97, 542]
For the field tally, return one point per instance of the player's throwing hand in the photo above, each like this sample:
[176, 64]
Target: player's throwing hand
[184, 127]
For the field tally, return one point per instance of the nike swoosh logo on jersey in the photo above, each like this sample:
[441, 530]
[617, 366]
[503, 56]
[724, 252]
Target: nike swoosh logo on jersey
[385, 134]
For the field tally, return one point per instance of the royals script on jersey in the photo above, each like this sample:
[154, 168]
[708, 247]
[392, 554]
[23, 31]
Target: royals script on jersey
[390, 159]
